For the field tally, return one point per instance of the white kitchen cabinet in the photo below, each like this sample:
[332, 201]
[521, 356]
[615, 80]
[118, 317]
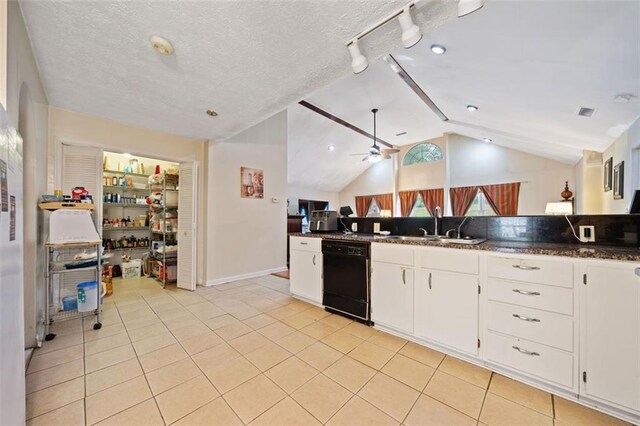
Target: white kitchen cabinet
[305, 274]
[446, 309]
[610, 346]
[392, 296]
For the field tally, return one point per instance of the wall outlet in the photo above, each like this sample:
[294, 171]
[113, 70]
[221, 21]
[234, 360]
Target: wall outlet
[588, 234]
[354, 227]
[376, 228]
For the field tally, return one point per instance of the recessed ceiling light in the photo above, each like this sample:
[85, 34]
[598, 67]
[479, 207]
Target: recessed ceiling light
[331, 148]
[487, 140]
[212, 113]
[161, 45]
[438, 49]
[472, 108]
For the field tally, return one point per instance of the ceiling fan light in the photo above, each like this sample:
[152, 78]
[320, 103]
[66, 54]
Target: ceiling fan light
[411, 33]
[374, 158]
[358, 62]
[466, 7]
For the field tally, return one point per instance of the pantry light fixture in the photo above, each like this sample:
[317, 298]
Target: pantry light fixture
[211, 113]
[472, 108]
[161, 45]
[466, 7]
[438, 49]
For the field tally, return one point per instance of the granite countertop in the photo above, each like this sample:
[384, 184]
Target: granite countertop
[588, 251]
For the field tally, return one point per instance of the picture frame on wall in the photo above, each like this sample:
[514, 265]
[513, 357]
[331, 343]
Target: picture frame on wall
[251, 183]
[618, 181]
[608, 169]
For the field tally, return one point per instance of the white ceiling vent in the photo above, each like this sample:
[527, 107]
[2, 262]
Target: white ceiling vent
[586, 112]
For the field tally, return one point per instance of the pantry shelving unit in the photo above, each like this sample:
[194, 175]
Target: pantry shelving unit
[163, 226]
[124, 185]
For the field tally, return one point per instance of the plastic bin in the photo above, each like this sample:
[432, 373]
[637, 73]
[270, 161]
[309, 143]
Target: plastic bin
[69, 303]
[88, 296]
[131, 269]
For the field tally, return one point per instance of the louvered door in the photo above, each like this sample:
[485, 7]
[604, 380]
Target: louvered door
[81, 166]
[187, 208]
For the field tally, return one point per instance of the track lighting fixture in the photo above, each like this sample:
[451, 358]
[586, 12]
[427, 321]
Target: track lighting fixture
[358, 62]
[466, 7]
[411, 33]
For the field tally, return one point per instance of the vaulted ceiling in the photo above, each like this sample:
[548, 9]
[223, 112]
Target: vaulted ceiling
[245, 59]
[528, 65]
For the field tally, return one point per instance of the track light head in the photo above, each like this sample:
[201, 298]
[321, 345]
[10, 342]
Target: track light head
[466, 7]
[358, 61]
[411, 33]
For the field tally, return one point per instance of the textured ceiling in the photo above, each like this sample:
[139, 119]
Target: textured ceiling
[246, 59]
[528, 65]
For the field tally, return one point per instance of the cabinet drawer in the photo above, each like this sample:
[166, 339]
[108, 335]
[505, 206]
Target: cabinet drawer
[538, 326]
[451, 260]
[545, 297]
[539, 271]
[531, 358]
[306, 244]
[392, 253]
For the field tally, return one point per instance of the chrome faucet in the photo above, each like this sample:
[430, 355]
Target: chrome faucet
[437, 215]
[425, 232]
[459, 230]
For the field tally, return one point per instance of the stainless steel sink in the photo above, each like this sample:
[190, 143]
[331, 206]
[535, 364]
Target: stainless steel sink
[437, 239]
[468, 241]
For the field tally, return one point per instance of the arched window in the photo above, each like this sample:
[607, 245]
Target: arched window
[422, 153]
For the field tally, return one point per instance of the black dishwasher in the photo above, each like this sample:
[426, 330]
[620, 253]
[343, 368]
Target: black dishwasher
[346, 278]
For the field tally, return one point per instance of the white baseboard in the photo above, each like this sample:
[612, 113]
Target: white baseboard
[250, 275]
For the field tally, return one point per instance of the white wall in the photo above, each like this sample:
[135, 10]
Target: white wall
[247, 237]
[82, 129]
[295, 193]
[469, 162]
[27, 108]
[377, 179]
[473, 162]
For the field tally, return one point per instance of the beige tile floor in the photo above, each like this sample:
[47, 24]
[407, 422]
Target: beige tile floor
[248, 353]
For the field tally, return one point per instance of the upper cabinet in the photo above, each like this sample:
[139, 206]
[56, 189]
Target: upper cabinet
[610, 345]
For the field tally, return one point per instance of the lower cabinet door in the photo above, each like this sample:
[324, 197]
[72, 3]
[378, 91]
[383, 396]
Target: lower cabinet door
[392, 296]
[446, 309]
[610, 347]
[305, 272]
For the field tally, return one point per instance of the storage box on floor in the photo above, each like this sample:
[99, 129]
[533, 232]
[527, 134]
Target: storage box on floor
[131, 269]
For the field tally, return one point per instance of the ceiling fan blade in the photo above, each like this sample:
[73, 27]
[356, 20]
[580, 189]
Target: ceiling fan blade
[365, 158]
[385, 156]
[390, 150]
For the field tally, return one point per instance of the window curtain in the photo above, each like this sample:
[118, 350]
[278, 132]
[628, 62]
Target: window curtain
[385, 202]
[432, 198]
[503, 198]
[462, 198]
[407, 201]
[362, 204]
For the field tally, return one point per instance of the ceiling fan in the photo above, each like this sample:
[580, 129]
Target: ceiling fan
[376, 154]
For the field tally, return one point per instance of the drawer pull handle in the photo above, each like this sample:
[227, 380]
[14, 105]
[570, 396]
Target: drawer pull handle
[314, 260]
[523, 318]
[429, 280]
[304, 244]
[526, 268]
[526, 293]
[526, 352]
[404, 276]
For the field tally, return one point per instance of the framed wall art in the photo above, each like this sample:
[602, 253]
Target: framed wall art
[251, 183]
[608, 169]
[618, 181]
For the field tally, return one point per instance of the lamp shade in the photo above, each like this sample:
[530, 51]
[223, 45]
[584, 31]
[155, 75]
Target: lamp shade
[559, 207]
[346, 211]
